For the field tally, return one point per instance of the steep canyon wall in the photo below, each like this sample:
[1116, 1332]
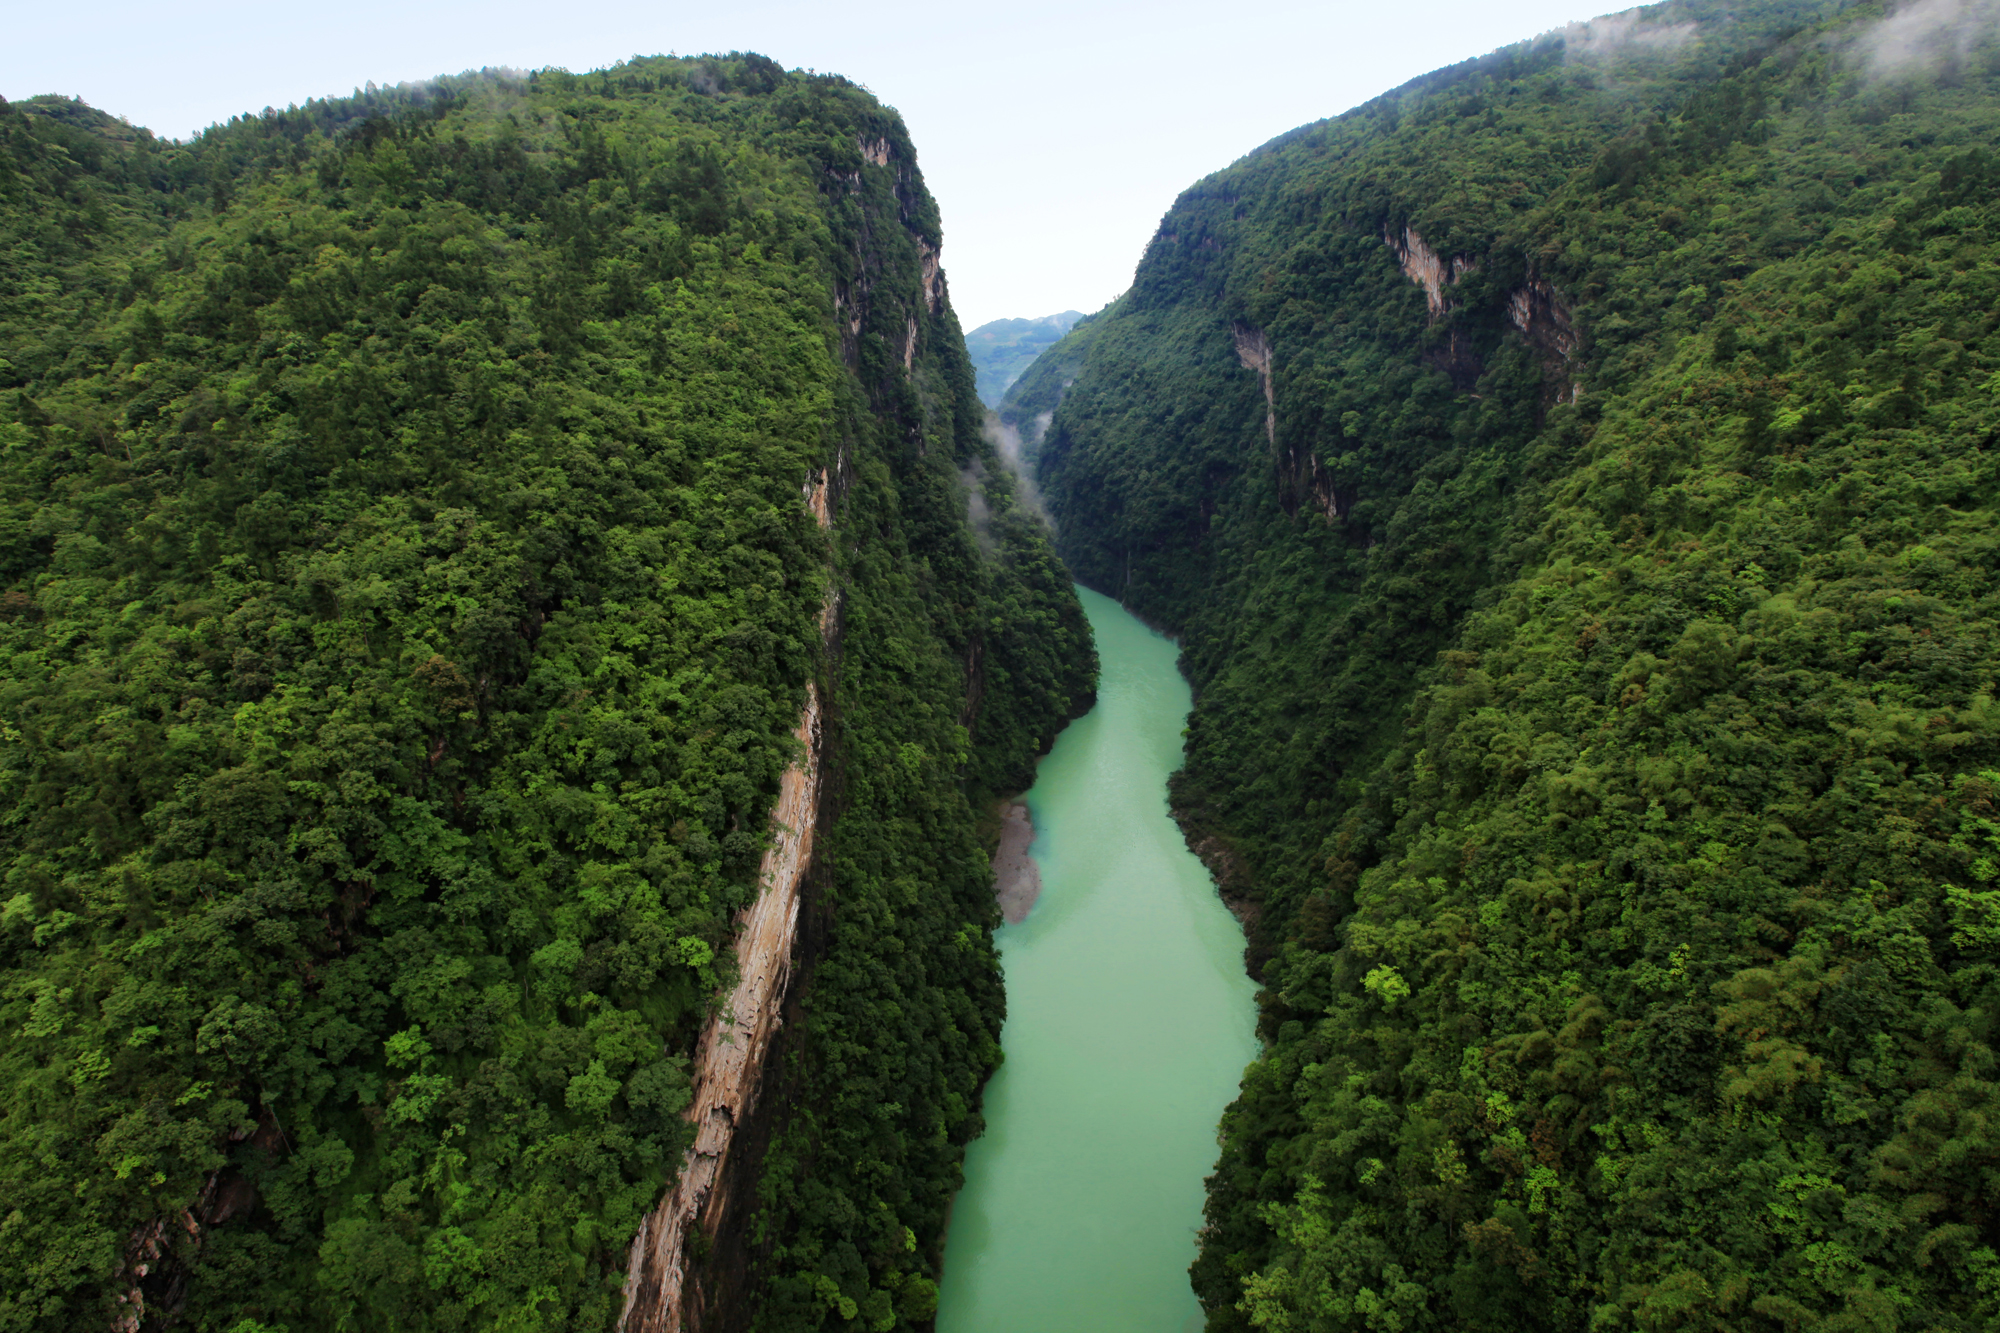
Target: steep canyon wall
[1544, 470]
[491, 902]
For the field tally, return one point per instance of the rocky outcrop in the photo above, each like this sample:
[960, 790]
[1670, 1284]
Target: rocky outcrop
[851, 301]
[1235, 885]
[730, 1059]
[1253, 349]
[1437, 275]
[1545, 321]
[848, 312]
[1302, 479]
[930, 261]
[1312, 487]
[1534, 310]
[1428, 269]
[157, 1255]
[144, 1250]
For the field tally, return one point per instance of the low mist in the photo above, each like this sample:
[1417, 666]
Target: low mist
[1007, 444]
[1926, 35]
[1624, 33]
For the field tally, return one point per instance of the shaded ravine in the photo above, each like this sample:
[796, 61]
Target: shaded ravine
[1129, 1022]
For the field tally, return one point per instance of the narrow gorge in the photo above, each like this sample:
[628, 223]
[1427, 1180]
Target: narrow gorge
[1129, 1021]
[1432, 767]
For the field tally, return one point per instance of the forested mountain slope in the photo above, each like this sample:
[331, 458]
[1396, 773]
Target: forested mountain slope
[412, 587]
[1574, 477]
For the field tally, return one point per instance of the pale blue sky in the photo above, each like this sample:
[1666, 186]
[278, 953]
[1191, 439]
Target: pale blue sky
[1053, 135]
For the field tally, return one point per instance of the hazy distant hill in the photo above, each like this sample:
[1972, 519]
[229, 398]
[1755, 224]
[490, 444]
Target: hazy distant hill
[1004, 348]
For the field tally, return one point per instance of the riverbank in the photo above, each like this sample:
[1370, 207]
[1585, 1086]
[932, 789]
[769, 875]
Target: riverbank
[1017, 880]
[1130, 1020]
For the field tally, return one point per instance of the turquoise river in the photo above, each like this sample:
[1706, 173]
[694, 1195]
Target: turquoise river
[1129, 1022]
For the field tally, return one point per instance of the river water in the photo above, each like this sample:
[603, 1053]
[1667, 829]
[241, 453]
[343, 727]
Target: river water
[1129, 1022]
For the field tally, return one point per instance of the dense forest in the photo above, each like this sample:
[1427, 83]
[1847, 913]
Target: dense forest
[410, 594]
[1573, 478]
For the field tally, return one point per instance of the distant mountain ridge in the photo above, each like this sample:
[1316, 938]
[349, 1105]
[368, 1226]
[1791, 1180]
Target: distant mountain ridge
[1003, 349]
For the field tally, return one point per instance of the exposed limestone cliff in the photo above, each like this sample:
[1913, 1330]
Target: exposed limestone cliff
[1302, 479]
[730, 1059]
[1435, 274]
[930, 261]
[1429, 270]
[151, 1268]
[1545, 321]
[1253, 349]
[1534, 309]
